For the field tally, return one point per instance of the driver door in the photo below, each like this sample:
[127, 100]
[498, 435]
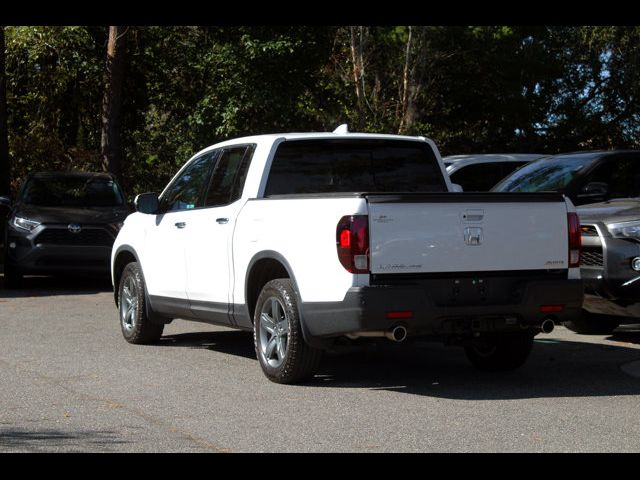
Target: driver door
[165, 263]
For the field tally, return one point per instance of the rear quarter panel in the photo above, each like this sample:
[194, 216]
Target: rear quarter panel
[303, 231]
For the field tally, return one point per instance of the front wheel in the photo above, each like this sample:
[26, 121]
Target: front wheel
[501, 352]
[135, 323]
[12, 276]
[280, 347]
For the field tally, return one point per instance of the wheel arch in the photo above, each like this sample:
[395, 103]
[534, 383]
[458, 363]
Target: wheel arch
[124, 255]
[264, 267]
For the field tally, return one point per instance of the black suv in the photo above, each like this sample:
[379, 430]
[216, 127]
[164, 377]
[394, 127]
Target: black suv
[605, 186]
[62, 222]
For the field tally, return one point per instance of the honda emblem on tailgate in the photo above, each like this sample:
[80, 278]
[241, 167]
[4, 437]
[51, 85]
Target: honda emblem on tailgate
[74, 228]
[473, 235]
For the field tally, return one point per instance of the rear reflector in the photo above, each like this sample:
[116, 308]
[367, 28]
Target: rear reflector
[403, 314]
[551, 308]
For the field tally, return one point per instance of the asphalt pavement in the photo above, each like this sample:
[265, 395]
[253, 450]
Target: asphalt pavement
[70, 383]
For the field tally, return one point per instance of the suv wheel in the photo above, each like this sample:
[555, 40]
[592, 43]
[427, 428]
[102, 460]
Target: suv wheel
[501, 352]
[12, 277]
[280, 347]
[135, 324]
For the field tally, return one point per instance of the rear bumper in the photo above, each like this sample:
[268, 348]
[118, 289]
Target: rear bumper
[366, 309]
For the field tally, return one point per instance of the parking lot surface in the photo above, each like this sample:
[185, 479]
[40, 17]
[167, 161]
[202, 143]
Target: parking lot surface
[71, 383]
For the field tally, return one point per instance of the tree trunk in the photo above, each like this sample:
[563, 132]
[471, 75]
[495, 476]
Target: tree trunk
[406, 103]
[112, 102]
[5, 181]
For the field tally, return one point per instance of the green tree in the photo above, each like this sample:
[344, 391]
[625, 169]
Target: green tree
[112, 101]
[54, 87]
[4, 139]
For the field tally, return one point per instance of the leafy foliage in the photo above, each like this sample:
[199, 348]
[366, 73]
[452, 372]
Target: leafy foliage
[472, 89]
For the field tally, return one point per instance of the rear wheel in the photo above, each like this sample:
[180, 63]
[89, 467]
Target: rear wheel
[501, 352]
[280, 347]
[593, 324]
[135, 324]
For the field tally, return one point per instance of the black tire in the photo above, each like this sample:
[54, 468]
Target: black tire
[501, 352]
[135, 324]
[299, 361]
[12, 277]
[593, 324]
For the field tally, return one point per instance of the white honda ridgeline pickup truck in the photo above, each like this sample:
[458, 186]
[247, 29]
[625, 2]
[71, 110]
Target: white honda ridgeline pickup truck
[306, 238]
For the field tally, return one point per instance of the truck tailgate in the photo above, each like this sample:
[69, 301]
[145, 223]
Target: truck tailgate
[467, 232]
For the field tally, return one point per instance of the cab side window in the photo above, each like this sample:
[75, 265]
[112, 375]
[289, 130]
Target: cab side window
[478, 178]
[622, 176]
[229, 175]
[186, 191]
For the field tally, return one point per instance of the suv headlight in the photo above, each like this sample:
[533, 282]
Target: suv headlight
[24, 224]
[625, 230]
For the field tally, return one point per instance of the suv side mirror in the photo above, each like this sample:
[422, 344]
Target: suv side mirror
[5, 202]
[456, 188]
[147, 203]
[594, 191]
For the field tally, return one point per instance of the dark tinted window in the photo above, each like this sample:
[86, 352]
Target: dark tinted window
[509, 167]
[481, 177]
[319, 166]
[546, 174]
[622, 175]
[72, 191]
[229, 175]
[185, 191]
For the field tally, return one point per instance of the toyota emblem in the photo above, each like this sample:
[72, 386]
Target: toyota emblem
[74, 228]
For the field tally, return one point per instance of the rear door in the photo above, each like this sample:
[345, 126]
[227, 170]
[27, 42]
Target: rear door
[465, 232]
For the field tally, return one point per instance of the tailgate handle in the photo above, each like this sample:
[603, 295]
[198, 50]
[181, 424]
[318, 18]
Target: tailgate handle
[473, 236]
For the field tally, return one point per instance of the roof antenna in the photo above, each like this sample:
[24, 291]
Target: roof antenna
[344, 128]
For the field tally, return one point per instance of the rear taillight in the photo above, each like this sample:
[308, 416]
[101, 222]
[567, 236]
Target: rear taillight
[575, 240]
[352, 241]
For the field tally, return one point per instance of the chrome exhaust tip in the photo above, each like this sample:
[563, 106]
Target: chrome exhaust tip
[397, 334]
[547, 325]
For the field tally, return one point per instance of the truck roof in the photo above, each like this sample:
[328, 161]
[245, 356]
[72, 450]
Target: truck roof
[272, 137]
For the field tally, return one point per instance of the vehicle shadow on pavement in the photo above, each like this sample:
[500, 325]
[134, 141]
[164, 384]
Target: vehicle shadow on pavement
[231, 342]
[626, 334]
[36, 286]
[556, 368]
[49, 440]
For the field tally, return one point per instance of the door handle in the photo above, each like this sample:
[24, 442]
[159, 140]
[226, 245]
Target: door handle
[181, 224]
[222, 221]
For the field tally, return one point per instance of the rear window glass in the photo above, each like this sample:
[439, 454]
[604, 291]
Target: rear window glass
[324, 166]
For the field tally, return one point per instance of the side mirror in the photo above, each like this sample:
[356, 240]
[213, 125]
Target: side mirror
[147, 203]
[457, 188]
[5, 202]
[594, 191]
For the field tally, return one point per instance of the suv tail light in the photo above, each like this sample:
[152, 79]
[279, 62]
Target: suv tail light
[575, 240]
[352, 241]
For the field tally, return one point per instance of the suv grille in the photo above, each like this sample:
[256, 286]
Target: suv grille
[88, 237]
[592, 257]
